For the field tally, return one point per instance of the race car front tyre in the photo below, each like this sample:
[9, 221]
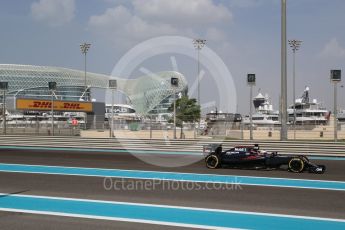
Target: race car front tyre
[296, 165]
[212, 161]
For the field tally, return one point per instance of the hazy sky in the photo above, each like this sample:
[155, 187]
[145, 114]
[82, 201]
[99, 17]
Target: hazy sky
[245, 34]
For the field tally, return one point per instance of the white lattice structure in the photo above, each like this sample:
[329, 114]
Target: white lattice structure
[144, 93]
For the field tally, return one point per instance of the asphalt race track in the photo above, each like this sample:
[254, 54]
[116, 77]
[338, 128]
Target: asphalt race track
[45, 197]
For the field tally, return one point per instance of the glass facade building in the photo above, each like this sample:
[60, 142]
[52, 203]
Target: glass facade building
[145, 93]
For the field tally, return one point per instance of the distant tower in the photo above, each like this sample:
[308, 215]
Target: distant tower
[258, 100]
[305, 96]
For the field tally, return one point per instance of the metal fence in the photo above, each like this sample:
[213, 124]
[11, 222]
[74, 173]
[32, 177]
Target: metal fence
[272, 132]
[151, 128]
[324, 148]
[40, 128]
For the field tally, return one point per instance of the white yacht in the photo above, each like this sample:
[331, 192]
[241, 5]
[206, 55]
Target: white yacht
[308, 112]
[264, 114]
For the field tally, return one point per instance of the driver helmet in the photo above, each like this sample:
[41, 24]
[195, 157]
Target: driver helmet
[256, 147]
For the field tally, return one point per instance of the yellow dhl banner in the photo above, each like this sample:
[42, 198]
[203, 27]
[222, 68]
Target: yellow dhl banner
[46, 105]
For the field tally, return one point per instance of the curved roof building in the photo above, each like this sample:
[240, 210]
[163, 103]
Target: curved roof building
[145, 93]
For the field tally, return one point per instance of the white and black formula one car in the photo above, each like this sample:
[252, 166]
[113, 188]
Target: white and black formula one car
[247, 157]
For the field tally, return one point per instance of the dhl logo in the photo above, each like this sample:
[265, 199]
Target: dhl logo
[71, 105]
[42, 104]
[46, 104]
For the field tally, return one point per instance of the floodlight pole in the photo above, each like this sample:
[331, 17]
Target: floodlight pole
[112, 86]
[4, 112]
[199, 44]
[52, 88]
[283, 108]
[199, 76]
[251, 112]
[84, 47]
[335, 78]
[4, 87]
[150, 126]
[174, 85]
[294, 44]
[52, 111]
[294, 93]
[112, 114]
[335, 113]
[251, 81]
[175, 114]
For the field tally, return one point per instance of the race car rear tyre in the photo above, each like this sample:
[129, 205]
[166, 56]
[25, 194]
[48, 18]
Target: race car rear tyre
[296, 165]
[212, 161]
